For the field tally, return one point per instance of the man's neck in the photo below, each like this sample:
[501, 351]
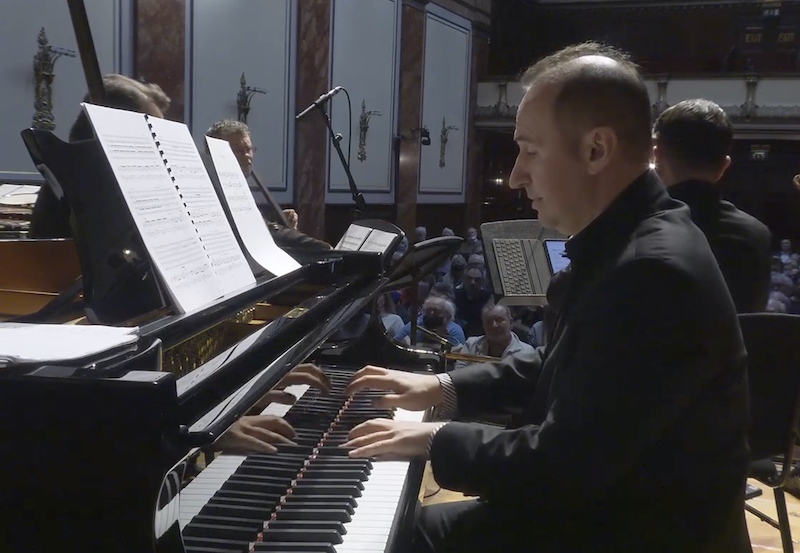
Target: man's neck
[677, 178]
[496, 349]
[603, 193]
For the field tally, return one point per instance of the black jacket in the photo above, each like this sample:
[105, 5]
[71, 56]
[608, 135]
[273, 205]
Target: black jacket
[740, 242]
[634, 415]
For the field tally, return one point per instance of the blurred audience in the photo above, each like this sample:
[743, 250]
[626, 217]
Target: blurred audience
[438, 316]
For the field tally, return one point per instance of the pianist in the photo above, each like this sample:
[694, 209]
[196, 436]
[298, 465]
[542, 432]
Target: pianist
[633, 417]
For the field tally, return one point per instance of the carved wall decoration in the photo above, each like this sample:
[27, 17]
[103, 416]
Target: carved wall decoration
[443, 141]
[43, 69]
[244, 97]
[661, 103]
[363, 127]
[750, 108]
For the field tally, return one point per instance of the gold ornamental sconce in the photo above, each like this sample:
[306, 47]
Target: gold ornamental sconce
[43, 70]
[363, 127]
[444, 137]
[244, 97]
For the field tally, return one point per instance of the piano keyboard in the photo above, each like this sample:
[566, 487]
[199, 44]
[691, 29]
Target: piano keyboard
[306, 498]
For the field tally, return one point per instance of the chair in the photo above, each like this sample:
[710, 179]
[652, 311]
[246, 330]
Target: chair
[773, 347]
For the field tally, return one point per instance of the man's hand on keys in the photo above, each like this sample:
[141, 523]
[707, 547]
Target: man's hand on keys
[409, 391]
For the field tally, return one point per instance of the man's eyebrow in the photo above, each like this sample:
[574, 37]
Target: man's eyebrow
[521, 138]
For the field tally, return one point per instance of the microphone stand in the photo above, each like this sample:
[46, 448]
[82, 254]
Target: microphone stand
[358, 197]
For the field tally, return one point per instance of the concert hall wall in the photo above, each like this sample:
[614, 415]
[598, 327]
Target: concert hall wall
[111, 24]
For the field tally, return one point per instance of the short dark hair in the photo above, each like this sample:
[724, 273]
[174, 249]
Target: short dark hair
[696, 134]
[593, 95]
[122, 93]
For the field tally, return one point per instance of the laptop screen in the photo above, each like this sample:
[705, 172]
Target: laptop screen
[555, 255]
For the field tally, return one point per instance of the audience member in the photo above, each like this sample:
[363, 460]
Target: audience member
[692, 141]
[421, 234]
[470, 297]
[472, 244]
[786, 254]
[442, 271]
[498, 340]
[438, 316]
[457, 266]
[391, 320]
[443, 290]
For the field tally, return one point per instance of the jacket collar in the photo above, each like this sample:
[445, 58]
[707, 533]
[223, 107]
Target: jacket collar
[703, 199]
[604, 237]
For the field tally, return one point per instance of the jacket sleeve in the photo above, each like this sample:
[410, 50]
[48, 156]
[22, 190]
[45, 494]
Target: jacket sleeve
[637, 360]
[498, 388]
[289, 238]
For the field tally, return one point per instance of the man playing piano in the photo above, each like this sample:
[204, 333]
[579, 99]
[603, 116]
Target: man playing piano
[633, 417]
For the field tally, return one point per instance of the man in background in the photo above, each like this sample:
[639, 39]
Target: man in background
[498, 340]
[692, 141]
[237, 134]
[470, 298]
[471, 245]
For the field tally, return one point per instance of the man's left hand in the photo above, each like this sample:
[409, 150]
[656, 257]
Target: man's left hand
[385, 437]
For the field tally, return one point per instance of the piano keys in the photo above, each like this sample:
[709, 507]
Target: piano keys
[312, 496]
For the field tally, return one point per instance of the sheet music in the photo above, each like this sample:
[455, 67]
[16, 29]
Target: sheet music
[251, 226]
[156, 207]
[377, 241]
[202, 203]
[38, 343]
[353, 238]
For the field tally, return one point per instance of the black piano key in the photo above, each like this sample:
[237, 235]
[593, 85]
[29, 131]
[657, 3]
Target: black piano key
[252, 486]
[265, 469]
[300, 505]
[219, 531]
[294, 547]
[328, 499]
[254, 524]
[356, 483]
[215, 544]
[316, 473]
[261, 478]
[216, 508]
[333, 451]
[294, 535]
[314, 488]
[301, 512]
[251, 497]
[289, 524]
[300, 450]
[214, 549]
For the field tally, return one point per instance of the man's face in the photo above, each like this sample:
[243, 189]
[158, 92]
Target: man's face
[243, 149]
[421, 234]
[496, 325]
[437, 307]
[472, 234]
[786, 246]
[547, 166]
[473, 281]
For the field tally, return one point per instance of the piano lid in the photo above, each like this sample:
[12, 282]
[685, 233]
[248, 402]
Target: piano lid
[422, 259]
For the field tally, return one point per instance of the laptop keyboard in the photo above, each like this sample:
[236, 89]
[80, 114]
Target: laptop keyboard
[513, 267]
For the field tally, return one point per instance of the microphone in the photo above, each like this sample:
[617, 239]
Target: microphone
[318, 102]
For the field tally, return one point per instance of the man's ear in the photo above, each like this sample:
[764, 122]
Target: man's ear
[725, 165]
[597, 148]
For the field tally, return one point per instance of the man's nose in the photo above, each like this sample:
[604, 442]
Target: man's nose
[516, 180]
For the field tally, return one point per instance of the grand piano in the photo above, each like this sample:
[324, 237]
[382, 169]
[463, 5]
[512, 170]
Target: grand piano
[117, 452]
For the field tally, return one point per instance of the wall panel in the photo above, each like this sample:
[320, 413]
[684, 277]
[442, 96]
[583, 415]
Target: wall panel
[365, 57]
[20, 21]
[445, 104]
[231, 37]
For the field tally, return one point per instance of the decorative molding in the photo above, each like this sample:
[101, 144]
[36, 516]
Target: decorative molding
[44, 72]
[244, 97]
[363, 128]
[661, 103]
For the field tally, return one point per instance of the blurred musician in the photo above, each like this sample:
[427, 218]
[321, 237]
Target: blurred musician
[237, 134]
[692, 143]
[633, 417]
[51, 219]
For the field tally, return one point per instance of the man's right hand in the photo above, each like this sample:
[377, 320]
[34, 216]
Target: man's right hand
[411, 391]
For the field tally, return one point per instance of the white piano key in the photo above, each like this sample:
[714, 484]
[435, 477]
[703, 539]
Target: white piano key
[200, 490]
[368, 531]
